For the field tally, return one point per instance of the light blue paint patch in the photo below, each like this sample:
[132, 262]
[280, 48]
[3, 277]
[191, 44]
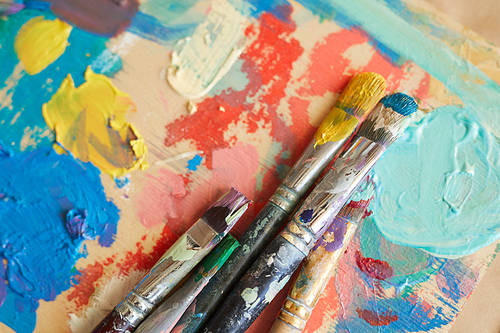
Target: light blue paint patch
[327, 10]
[235, 80]
[31, 92]
[439, 185]
[171, 12]
[41, 192]
[121, 182]
[150, 28]
[194, 163]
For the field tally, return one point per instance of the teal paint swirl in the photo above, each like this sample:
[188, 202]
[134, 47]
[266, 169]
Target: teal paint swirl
[439, 185]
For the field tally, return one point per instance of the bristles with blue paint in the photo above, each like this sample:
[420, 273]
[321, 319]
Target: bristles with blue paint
[401, 103]
[389, 119]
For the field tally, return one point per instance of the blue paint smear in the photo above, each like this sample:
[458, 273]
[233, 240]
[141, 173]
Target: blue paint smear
[39, 191]
[279, 8]
[194, 163]
[31, 92]
[122, 181]
[166, 21]
[411, 317]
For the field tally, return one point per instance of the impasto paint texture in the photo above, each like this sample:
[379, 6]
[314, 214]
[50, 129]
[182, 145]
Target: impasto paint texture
[49, 205]
[40, 42]
[90, 122]
[266, 74]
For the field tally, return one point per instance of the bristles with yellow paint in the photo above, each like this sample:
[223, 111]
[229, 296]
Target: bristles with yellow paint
[356, 101]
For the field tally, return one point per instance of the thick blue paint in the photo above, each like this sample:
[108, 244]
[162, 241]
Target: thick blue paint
[194, 163]
[32, 91]
[401, 103]
[38, 189]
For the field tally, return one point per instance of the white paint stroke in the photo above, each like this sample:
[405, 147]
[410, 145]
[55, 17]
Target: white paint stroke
[200, 61]
[179, 157]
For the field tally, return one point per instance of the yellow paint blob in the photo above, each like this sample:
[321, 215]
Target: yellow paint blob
[40, 42]
[356, 101]
[89, 121]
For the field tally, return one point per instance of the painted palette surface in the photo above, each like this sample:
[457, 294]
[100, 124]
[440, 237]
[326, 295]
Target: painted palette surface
[116, 137]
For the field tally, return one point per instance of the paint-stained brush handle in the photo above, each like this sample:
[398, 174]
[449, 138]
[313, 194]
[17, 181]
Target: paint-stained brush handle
[314, 274]
[258, 287]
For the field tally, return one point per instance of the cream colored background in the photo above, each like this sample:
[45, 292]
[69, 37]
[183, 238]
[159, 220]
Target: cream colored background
[482, 312]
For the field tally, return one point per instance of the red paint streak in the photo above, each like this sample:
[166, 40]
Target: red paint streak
[137, 259]
[86, 283]
[363, 204]
[377, 319]
[327, 71]
[377, 269]
[108, 261]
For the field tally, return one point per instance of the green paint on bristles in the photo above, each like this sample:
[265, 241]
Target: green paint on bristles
[217, 257]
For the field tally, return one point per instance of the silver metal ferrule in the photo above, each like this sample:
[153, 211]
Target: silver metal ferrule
[325, 201]
[304, 173]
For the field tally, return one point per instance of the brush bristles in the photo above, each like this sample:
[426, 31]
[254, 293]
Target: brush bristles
[361, 94]
[401, 103]
[226, 211]
[387, 122]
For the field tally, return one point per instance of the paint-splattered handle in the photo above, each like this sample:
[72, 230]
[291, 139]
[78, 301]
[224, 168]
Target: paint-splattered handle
[114, 323]
[258, 287]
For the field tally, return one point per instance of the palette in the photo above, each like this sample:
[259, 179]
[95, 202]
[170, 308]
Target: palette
[114, 142]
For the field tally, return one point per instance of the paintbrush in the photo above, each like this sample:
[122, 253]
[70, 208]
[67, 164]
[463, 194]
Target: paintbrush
[318, 268]
[179, 259]
[163, 319]
[274, 267]
[358, 98]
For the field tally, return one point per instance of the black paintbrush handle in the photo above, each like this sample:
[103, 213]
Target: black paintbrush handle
[258, 287]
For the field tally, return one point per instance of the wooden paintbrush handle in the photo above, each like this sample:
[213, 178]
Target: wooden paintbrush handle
[280, 326]
[258, 287]
[114, 323]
